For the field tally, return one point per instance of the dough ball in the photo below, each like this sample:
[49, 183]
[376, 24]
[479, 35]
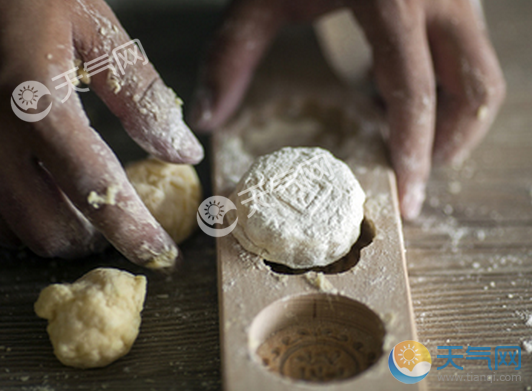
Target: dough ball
[171, 192]
[95, 320]
[305, 208]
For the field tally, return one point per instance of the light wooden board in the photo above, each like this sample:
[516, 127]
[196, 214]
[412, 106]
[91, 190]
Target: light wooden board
[283, 315]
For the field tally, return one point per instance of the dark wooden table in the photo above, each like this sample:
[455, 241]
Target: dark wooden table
[469, 255]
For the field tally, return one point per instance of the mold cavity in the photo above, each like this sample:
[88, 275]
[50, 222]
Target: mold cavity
[316, 338]
[367, 234]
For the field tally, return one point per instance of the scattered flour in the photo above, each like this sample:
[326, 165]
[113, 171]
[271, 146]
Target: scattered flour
[528, 346]
[454, 187]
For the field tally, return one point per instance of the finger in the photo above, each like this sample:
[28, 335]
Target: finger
[403, 71]
[7, 237]
[231, 59]
[150, 111]
[472, 84]
[37, 213]
[91, 176]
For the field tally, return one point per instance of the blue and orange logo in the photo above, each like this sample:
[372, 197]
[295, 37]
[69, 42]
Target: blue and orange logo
[409, 362]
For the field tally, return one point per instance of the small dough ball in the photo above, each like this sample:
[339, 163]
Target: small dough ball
[306, 208]
[171, 192]
[95, 320]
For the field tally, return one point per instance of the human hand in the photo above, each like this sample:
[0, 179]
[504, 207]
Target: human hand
[417, 45]
[63, 189]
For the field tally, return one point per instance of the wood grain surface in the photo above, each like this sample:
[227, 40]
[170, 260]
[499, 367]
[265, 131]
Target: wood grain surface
[469, 255]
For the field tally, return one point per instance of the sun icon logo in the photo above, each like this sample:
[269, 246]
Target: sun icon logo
[28, 96]
[408, 355]
[409, 362]
[214, 210]
[25, 96]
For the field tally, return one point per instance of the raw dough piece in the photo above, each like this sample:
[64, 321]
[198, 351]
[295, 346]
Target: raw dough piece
[95, 320]
[301, 207]
[171, 192]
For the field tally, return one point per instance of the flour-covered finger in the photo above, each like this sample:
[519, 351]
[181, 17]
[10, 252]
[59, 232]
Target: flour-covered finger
[89, 173]
[404, 75]
[471, 81]
[233, 55]
[121, 74]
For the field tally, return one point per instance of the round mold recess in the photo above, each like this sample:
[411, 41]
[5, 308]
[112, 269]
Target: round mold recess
[316, 338]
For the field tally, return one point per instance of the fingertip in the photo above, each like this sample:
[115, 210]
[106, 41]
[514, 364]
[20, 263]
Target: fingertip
[189, 150]
[163, 260]
[143, 241]
[410, 210]
[201, 112]
[155, 249]
[459, 158]
[210, 108]
[182, 149]
[168, 269]
[231, 59]
[412, 170]
[411, 200]
[170, 140]
[445, 156]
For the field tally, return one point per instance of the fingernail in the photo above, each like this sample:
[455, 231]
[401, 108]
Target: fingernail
[412, 200]
[201, 112]
[164, 259]
[190, 149]
[455, 159]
